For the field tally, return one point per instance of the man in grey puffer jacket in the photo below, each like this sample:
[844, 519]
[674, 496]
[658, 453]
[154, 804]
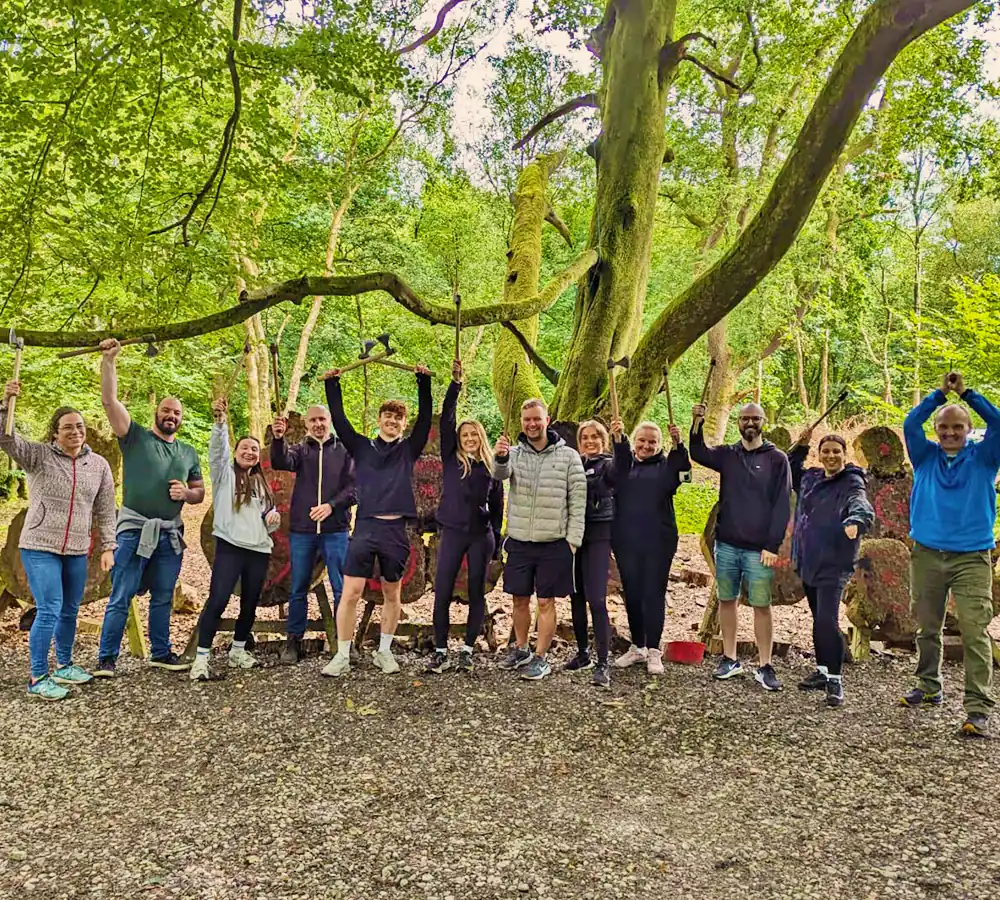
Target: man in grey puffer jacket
[545, 519]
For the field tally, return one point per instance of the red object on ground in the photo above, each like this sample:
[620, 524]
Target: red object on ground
[687, 652]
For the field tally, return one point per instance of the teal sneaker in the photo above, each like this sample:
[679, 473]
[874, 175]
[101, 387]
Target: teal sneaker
[71, 675]
[47, 689]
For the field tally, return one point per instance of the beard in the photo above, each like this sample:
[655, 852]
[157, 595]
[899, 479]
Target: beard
[167, 426]
[749, 432]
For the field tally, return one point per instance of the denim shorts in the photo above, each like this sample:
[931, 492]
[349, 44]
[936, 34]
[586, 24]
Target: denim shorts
[734, 568]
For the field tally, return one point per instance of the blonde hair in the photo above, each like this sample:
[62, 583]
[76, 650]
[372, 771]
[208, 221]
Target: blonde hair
[599, 428]
[483, 456]
[652, 426]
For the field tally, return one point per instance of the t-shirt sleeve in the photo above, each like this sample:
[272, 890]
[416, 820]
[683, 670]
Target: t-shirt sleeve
[132, 437]
[194, 468]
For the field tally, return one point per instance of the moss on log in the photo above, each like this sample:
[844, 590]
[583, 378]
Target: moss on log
[880, 450]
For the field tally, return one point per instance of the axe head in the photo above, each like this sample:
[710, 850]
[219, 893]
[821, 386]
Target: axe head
[383, 339]
[152, 350]
[622, 363]
[14, 340]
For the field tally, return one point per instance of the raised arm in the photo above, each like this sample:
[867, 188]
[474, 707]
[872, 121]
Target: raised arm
[449, 424]
[576, 487]
[991, 416]
[27, 454]
[797, 463]
[283, 457]
[422, 427]
[345, 431]
[917, 444]
[678, 461]
[114, 409]
[709, 457]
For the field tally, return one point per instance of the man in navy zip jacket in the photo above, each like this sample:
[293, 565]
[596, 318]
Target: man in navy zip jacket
[952, 515]
[754, 508]
[384, 471]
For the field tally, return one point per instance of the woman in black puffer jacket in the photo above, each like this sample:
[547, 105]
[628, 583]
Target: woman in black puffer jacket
[831, 513]
[593, 559]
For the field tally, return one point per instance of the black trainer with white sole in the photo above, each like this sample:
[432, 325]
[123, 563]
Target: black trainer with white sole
[767, 678]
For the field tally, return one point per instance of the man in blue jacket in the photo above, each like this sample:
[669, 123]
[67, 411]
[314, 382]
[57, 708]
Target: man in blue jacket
[952, 515]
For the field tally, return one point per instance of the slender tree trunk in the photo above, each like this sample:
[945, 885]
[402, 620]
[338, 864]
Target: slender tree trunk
[800, 371]
[824, 377]
[258, 378]
[723, 383]
[758, 390]
[886, 369]
[918, 278]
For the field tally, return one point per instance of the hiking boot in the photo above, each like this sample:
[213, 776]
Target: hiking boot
[385, 661]
[654, 662]
[976, 725]
[919, 697]
[766, 677]
[291, 651]
[602, 675]
[814, 682]
[105, 668]
[201, 669]
[46, 689]
[438, 663]
[631, 657]
[834, 692]
[71, 675]
[515, 658]
[465, 663]
[728, 668]
[537, 669]
[240, 658]
[171, 662]
[339, 665]
[580, 663]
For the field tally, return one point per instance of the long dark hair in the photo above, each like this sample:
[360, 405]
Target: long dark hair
[250, 483]
[52, 429]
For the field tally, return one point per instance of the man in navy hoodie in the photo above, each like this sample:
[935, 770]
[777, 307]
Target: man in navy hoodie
[754, 508]
[952, 515]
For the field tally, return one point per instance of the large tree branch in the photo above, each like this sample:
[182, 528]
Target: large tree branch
[435, 28]
[883, 32]
[551, 375]
[584, 101]
[552, 217]
[718, 76]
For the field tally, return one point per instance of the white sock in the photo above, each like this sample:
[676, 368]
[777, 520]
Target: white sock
[204, 651]
[443, 650]
[343, 648]
[835, 677]
[468, 649]
[823, 670]
[239, 645]
[385, 643]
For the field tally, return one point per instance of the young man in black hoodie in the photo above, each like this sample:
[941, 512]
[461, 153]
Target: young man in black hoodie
[384, 467]
[322, 498]
[754, 508]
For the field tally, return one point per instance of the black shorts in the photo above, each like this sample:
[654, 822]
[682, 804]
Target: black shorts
[543, 569]
[384, 540]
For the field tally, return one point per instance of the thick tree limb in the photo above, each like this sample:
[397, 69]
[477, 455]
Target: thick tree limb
[551, 375]
[584, 101]
[552, 217]
[435, 28]
[718, 76]
[673, 195]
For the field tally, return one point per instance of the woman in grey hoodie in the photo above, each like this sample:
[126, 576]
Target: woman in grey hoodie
[69, 488]
[244, 517]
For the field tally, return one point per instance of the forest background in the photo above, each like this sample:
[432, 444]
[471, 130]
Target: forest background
[165, 161]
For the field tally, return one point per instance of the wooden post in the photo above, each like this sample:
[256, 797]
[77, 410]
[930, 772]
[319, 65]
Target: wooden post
[860, 643]
[710, 620]
[326, 614]
[133, 628]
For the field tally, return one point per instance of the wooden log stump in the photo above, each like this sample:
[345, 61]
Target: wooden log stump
[880, 450]
[780, 436]
[428, 484]
[878, 597]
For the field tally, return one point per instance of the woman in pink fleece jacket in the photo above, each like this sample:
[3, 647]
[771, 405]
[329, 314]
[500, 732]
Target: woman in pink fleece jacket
[69, 487]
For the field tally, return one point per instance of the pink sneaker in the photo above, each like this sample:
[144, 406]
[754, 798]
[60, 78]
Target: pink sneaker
[630, 658]
[654, 662]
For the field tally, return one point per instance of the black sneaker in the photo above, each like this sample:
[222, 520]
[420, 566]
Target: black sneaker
[515, 658]
[465, 661]
[728, 668]
[438, 663]
[918, 697]
[766, 677]
[105, 668]
[580, 663]
[602, 675]
[815, 682]
[291, 651]
[976, 725]
[834, 692]
[171, 662]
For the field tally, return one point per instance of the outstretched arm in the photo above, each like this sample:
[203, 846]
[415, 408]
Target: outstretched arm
[114, 409]
[449, 425]
[345, 431]
[709, 457]
[917, 445]
[991, 416]
[27, 454]
[422, 427]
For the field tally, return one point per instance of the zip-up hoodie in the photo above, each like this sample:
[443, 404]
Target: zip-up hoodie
[754, 492]
[384, 468]
[472, 503]
[65, 496]
[548, 491]
[644, 496]
[338, 487]
[243, 527]
[821, 552]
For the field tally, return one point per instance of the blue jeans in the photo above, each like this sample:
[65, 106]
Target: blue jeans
[734, 567]
[303, 549]
[159, 573]
[57, 583]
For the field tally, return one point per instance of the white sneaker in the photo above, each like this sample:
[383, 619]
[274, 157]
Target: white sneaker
[200, 670]
[631, 657]
[654, 662]
[385, 661]
[339, 665]
[241, 658]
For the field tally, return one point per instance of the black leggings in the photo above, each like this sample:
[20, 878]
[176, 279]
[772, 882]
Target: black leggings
[452, 548]
[645, 572]
[824, 602]
[233, 564]
[591, 579]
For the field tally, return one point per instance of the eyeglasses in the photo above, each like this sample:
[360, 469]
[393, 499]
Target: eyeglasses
[66, 429]
[751, 420]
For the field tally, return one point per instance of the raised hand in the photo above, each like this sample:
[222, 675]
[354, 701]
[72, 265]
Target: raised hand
[11, 389]
[422, 370]
[675, 435]
[333, 373]
[219, 409]
[110, 348]
[502, 447]
[698, 413]
[279, 426]
[617, 427]
[954, 382]
[805, 438]
[456, 371]
[851, 531]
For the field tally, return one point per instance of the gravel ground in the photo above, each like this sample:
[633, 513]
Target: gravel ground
[281, 784]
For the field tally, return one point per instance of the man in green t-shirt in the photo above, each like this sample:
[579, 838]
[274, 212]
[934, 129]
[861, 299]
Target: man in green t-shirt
[160, 474]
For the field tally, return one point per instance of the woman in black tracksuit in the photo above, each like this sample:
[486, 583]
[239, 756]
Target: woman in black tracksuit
[470, 515]
[593, 559]
[644, 535]
[832, 511]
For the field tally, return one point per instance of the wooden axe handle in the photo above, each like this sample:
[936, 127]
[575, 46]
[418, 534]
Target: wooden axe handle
[510, 402]
[458, 327]
[822, 418]
[613, 390]
[666, 390]
[357, 364]
[708, 382]
[398, 365]
[12, 402]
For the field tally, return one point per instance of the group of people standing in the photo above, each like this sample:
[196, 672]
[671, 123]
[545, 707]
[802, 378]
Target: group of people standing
[567, 510]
